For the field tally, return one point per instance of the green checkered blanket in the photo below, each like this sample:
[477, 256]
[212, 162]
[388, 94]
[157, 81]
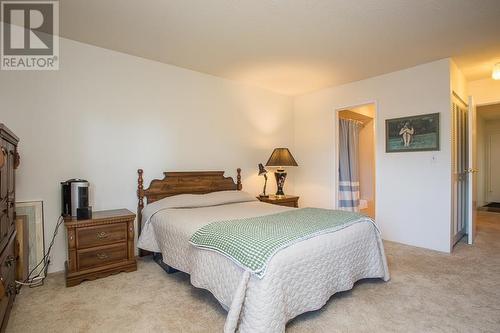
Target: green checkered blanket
[252, 242]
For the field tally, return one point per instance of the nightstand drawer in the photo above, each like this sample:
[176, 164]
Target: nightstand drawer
[101, 235]
[103, 255]
[287, 203]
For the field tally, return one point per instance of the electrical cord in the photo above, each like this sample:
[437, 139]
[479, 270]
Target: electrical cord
[42, 266]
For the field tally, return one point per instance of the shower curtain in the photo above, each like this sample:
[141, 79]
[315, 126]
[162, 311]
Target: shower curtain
[348, 165]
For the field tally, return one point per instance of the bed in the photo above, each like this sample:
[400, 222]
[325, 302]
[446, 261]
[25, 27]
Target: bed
[299, 278]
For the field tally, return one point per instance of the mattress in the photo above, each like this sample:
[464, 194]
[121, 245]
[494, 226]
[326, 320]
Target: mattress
[299, 278]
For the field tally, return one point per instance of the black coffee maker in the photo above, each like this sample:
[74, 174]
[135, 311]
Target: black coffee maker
[75, 198]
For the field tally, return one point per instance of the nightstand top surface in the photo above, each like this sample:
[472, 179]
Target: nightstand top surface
[100, 216]
[278, 198]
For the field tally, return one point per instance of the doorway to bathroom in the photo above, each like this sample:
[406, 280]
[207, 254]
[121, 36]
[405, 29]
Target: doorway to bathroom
[355, 160]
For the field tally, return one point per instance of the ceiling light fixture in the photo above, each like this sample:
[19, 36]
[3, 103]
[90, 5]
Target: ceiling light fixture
[496, 72]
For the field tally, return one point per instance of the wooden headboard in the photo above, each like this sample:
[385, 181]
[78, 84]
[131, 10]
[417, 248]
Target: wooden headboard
[174, 183]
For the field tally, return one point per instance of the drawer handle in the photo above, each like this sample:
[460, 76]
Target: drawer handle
[9, 260]
[2, 157]
[17, 159]
[102, 256]
[102, 235]
[11, 290]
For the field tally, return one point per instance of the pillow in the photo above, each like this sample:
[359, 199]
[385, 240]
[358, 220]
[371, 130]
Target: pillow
[222, 198]
[195, 201]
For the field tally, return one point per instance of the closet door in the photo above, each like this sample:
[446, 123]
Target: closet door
[3, 170]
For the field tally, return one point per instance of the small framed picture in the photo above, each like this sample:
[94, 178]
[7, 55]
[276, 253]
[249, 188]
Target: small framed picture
[416, 133]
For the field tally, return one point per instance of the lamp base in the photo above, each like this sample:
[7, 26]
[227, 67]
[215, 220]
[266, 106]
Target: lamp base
[280, 176]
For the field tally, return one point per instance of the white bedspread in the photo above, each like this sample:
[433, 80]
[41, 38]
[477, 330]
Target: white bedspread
[299, 278]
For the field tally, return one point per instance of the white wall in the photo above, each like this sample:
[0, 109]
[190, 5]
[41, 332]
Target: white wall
[490, 176]
[481, 162]
[367, 161]
[458, 83]
[105, 114]
[486, 91]
[367, 155]
[413, 190]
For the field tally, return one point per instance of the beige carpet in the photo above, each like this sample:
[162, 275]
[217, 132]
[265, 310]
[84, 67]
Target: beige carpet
[429, 292]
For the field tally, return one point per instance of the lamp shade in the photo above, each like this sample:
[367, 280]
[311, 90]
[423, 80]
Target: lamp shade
[281, 157]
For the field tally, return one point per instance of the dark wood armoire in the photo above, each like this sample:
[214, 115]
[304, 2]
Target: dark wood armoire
[9, 161]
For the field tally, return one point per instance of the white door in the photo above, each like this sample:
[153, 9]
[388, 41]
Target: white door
[472, 172]
[494, 177]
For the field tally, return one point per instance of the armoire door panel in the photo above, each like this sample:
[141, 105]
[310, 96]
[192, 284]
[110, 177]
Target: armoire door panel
[3, 170]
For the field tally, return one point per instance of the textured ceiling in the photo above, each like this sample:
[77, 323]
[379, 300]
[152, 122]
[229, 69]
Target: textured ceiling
[292, 47]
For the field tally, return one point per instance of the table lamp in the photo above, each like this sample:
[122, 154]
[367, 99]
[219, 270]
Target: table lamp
[263, 172]
[281, 157]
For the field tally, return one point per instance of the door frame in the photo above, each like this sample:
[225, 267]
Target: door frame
[471, 171]
[336, 152]
[485, 170]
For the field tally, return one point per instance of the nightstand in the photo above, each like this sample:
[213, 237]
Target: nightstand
[100, 246]
[282, 200]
